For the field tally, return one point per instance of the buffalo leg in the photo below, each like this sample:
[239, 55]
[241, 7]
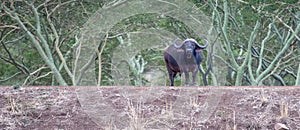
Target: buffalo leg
[174, 74]
[194, 78]
[187, 78]
[171, 76]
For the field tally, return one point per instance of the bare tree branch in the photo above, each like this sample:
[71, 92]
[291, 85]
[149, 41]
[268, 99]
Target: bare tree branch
[33, 73]
[100, 59]
[44, 43]
[289, 27]
[262, 48]
[224, 32]
[298, 77]
[10, 77]
[45, 55]
[279, 55]
[11, 60]
[57, 39]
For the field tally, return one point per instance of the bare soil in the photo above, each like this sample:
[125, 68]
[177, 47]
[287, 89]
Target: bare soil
[235, 108]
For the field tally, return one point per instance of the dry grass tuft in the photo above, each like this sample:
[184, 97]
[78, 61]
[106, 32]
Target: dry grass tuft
[264, 99]
[136, 122]
[284, 110]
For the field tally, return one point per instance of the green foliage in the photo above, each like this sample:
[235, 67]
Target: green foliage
[69, 18]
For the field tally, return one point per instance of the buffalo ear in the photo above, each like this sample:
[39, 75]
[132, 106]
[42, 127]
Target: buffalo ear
[197, 48]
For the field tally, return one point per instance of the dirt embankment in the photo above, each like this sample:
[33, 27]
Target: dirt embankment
[226, 108]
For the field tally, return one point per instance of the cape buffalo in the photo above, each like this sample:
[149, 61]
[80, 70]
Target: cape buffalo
[183, 57]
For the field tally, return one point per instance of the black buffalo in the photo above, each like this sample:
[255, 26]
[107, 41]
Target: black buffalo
[183, 57]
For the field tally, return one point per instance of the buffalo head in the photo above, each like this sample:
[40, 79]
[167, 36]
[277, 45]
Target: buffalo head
[189, 46]
[183, 57]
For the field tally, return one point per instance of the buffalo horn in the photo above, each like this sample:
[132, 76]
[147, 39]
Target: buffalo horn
[176, 45]
[202, 47]
[192, 40]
